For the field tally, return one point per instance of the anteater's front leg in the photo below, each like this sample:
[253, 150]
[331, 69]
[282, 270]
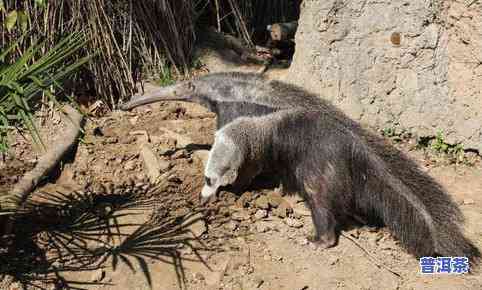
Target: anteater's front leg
[321, 212]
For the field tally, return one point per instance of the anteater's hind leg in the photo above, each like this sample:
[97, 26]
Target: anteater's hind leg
[318, 196]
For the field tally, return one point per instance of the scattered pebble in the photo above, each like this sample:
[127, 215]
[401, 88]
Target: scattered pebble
[468, 201]
[199, 276]
[294, 223]
[111, 140]
[262, 202]
[240, 216]
[275, 199]
[151, 163]
[262, 227]
[130, 165]
[231, 225]
[260, 214]
[283, 209]
[98, 275]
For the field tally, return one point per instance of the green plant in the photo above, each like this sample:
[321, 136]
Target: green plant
[166, 77]
[455, 152]
[397, 135]
[438, 144]
[24, 79]
[388, 132]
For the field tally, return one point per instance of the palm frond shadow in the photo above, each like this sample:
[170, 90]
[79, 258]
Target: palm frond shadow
[161, 242]
[57, 233]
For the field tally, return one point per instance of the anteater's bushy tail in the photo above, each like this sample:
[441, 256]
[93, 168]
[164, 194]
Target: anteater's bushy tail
[413, 205]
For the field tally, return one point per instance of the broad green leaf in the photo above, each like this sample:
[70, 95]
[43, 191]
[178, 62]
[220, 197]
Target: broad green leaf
[11, 20]
[22, 20]
[2, 6]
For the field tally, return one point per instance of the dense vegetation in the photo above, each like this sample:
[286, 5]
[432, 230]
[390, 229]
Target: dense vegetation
[47, 42]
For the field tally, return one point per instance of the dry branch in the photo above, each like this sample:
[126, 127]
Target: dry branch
[220, 40]
[73, 120]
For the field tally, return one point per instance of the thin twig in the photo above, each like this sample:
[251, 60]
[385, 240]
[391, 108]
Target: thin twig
[373, 259]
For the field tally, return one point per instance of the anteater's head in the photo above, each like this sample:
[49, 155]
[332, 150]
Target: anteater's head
[223, 166]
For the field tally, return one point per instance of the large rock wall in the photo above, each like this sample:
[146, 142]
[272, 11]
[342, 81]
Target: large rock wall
[347, 51]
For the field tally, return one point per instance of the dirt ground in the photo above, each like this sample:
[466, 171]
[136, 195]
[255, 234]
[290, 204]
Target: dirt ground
[132, 235]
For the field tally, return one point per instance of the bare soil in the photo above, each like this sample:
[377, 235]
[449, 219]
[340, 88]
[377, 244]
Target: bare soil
[129, 234]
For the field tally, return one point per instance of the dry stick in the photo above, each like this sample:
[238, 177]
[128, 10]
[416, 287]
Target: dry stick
[216, 3]
[370, 256]
[73, 119]
[221, 40]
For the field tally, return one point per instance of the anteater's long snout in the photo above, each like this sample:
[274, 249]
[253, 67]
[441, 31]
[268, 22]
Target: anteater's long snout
[178, 92]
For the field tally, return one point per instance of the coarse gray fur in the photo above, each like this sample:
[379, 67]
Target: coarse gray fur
[340, 175]
[234, 95]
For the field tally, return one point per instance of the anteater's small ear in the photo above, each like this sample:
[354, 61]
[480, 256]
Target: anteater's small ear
[230, 176]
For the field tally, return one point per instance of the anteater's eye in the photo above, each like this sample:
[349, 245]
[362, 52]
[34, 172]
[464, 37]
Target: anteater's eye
[207, 180]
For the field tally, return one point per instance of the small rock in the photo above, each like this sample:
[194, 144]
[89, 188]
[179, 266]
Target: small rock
[275, 199]
[17, 286]
[332, 260]
[231, 225]
[98, 275]
[181, 141]
[468, 201]
[151, 163]
[199, 276]
[140, 177]
[303, 241]
[261, 214]
[142, 136]
[164, 149]
[111, 140]
[293, 223]
[262, 202]
[130, 165]
[283, 210]
[179, 154]
[244, 199]
[129, 140]
[262, 227]
[299, 213]
[175, 179]
[240, 216]
[134, 120]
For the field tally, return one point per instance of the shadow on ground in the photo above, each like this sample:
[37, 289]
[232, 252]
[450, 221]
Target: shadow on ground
[55, 233]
